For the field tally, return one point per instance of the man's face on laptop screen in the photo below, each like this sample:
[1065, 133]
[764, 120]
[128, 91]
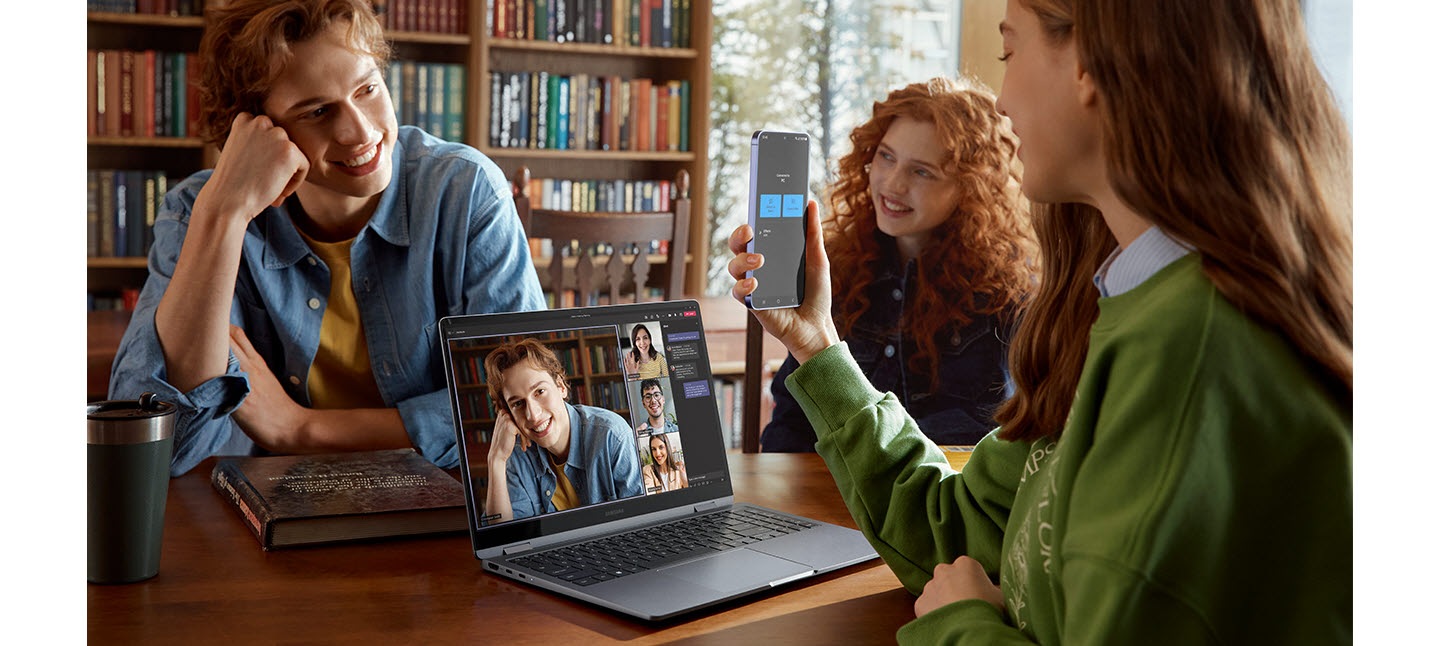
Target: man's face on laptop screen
[537, 404]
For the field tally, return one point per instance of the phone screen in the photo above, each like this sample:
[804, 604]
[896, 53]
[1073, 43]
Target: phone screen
[779, 188]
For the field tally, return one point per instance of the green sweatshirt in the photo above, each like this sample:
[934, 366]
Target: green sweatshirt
[1199, 494]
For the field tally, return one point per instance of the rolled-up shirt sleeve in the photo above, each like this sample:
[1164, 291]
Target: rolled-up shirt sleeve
[202, 421]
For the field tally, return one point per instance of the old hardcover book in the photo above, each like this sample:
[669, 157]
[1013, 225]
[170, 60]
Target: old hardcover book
[292, 500]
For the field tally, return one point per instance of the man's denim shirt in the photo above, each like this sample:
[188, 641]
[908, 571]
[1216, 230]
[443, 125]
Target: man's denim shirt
[444, 240]
[603, 464]
[974, 378]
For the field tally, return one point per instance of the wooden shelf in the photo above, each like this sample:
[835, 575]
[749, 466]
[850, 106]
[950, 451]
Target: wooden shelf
[427, 38]
[118, 262]
[145, 19]
[591, 48]
[611, 155]
[147, 142]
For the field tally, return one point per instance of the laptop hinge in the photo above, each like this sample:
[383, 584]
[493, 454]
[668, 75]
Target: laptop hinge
[707, 506]
[516, 549]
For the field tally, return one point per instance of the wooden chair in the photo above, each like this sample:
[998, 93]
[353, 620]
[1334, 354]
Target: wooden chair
[587, 279]
[755, 374]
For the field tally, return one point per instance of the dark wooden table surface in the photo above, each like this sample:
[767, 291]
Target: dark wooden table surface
[217, 586]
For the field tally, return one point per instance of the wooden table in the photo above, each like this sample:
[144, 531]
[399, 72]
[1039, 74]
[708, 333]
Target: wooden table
[217, 586]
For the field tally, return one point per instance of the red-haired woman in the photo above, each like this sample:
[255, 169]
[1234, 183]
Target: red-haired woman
[931, 254]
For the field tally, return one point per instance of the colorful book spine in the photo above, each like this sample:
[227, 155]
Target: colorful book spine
[121, 207]
[455, 102]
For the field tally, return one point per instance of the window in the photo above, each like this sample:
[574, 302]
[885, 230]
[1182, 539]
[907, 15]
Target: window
[1329, 25]
[811, 65]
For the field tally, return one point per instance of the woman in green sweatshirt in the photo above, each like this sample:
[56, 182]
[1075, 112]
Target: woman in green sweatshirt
[1175, 466]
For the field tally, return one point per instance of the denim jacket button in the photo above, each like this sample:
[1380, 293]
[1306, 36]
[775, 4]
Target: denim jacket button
[889, 351]
[294, 380]
[898, 295]
[314, 303]
[312, 261]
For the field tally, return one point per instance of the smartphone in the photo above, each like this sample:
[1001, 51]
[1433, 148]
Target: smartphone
[779, 190]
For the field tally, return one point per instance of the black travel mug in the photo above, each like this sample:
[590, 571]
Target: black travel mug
[128, 473]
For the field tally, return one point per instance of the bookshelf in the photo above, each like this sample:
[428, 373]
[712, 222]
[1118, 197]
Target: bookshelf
[505, 54]
[479, 53]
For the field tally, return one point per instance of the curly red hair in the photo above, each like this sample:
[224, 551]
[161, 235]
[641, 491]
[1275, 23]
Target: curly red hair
[981, 261]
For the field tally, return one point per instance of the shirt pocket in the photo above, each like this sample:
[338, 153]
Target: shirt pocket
[973, 365]
[867, 347]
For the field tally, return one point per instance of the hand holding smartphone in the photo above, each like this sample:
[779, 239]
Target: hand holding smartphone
[779, 190]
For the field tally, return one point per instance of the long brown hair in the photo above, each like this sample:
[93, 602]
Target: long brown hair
[1228, 140]
[247, 42]
[980, 262]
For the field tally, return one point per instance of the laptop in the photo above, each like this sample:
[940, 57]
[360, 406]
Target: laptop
[644, 521]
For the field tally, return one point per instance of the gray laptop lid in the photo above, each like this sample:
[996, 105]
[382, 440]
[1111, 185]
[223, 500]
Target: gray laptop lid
[618, 431]
[592, 344]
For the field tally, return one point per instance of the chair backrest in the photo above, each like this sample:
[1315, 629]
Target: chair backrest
[587, 278]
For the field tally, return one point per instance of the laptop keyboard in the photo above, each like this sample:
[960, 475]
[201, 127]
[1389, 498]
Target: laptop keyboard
[612, 557]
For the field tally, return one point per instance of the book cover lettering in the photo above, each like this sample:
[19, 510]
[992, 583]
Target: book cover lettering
[310, 499]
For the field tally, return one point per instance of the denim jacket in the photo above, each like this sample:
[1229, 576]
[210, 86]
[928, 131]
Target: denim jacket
[444, 240]
[974, 378]
[603, 464]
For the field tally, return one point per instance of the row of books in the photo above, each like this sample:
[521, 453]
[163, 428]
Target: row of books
[609, 394]
[476, 406]
[429, 95]
[152, 7]
[586, 112]
[729, 400]
[144, 93]
[637, 23]
[120, 207]
[604, 359]
[122, 300]
[605, 195]
[434, 16]
[470, 370]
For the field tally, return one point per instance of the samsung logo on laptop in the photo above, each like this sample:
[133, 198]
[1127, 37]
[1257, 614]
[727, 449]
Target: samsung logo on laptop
[616, 512]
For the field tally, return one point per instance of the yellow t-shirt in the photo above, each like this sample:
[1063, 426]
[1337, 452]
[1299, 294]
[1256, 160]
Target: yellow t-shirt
[654, 369]
[565, 496]
[341, 376]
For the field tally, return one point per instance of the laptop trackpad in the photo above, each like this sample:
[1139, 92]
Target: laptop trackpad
[736, 570]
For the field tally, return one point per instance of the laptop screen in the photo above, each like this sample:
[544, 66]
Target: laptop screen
[567, 418]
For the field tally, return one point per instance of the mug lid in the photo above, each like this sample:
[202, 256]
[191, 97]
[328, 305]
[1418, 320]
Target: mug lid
[125, 409]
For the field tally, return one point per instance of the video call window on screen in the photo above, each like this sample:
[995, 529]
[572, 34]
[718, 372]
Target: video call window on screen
[602, 395]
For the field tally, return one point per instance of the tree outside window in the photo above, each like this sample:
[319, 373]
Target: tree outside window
[810, 65]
